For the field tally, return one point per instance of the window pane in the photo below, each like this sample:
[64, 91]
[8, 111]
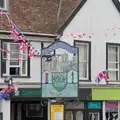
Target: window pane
[83, 48]
[4, 66]
[34, 110]
[83, 69]
[24, 64]
[14, 48]
[4, 46]
[113, 66]
[4, 54]
[14, 62]
[14, 55]
[14, 70]
[2, 3]
[113, 57]
[113, 75]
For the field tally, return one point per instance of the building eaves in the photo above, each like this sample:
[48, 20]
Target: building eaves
[117, 4]
[70, 17]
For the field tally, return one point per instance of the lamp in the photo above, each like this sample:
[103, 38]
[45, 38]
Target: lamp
[8, 80]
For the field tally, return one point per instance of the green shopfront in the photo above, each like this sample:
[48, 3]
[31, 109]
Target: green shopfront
[110, 98]
[27, 104]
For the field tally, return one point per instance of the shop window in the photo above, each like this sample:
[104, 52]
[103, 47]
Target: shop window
[34, 110]
[3, 4]
[111, 109]
[69, 115]
[79, 115]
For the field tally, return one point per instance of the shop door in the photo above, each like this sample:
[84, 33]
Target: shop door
[74, 115]
[94, 115]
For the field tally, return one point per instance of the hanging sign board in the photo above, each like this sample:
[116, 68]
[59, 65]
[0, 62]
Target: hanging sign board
[57, 112]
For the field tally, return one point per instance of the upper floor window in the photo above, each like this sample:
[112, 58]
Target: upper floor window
[84, 59]
[113, 61]
[3, 4]
[10, 64]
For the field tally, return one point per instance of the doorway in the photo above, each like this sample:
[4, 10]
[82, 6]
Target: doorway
[74, 115]
[94, 115]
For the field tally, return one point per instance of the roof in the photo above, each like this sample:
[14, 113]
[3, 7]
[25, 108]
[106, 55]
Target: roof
[41, 17]
[117, 4]
[70, 17]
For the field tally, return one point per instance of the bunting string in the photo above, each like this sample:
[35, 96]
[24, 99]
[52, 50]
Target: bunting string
[19, 36]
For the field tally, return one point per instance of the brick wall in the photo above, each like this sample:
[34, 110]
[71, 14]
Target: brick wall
[38, 15]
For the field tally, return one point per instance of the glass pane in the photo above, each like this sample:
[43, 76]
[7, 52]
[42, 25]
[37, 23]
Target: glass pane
[2, 3]
[83, 70]
[14, 62]
[113, 57]
[14, 55]
[24, 63]
[4, 46]
[69, 115]
[34, 110]
[83, 55]
[4, 54]
[4, 66]
[14, 48]
[14, 71]
[79, 115]
[112, 48]
[113, 66]
[113, 75]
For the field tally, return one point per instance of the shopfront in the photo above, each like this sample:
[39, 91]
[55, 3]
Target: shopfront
[110, 98]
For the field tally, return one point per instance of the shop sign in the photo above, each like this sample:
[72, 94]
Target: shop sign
[57, 112]
[111, 106]
[105, 94]
[28, 93]
[94, 105]
[60, 74]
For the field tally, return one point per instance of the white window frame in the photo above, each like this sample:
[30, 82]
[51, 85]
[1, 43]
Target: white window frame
[117, 62]
[77, 43]
[20, 62]
[6, 4]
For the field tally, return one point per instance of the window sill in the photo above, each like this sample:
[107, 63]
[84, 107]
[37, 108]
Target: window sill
[84, 80]
[17, 76]
[113, 81]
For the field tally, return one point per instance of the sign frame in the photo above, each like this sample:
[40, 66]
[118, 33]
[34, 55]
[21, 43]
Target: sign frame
[46, 53]
[57, 111]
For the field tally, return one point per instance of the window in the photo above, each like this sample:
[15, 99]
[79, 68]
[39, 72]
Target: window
[34, 110]
[3, 4]
[113, 61]
[84, 59]
[10, 64]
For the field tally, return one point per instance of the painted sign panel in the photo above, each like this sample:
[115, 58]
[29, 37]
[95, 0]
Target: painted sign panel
[111, 106]
[60, 74]
[28, 93]
[105, 94]
[94, 105]
[57, 112]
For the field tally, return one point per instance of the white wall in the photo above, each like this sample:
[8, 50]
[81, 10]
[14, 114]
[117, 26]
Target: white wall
[95, 17]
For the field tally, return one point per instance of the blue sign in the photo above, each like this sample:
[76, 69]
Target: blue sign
[59, 44]
[94, 105]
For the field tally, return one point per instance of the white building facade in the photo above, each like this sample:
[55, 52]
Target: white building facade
[95, 31]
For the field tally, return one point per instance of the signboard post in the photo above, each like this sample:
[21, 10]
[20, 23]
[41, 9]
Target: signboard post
[57, 112]
[60, 72]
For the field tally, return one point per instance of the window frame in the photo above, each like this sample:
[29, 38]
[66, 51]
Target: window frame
[5, 5]
[107, 46]
[28, 62]
[89, 58]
